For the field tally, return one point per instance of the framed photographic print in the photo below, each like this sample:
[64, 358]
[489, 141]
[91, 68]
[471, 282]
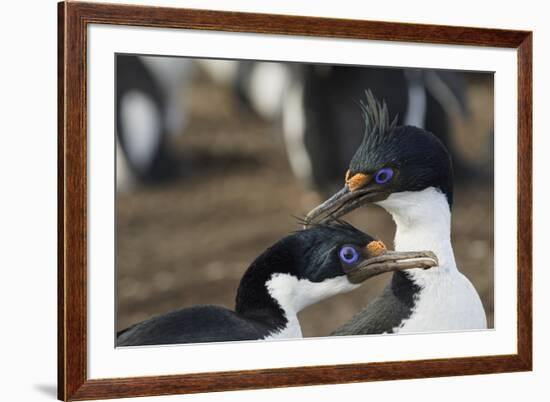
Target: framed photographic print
[253, 201]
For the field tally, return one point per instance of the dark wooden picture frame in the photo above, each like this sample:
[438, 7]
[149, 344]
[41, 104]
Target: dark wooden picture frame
[73, 382]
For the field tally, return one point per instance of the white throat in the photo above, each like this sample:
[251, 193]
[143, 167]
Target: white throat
[293, 295]
[423, 222]
[447, 300]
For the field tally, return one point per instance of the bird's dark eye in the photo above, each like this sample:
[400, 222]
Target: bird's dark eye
[348, 255]
[383, 176]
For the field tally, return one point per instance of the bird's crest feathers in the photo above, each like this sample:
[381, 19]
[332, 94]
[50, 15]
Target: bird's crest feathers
[377, 120]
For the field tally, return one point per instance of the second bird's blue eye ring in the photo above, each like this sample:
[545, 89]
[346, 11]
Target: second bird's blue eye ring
[383, 176]
[348, 255]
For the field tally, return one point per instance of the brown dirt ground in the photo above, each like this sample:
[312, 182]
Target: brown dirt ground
[188, 241]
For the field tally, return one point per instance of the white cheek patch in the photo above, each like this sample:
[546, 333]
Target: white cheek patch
[293, 295]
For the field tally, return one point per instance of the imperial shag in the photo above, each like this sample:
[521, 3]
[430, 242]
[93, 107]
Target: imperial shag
[301, 269]
[408, 172]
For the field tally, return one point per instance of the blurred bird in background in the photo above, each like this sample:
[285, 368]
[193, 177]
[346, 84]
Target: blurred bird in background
[150, 111]
[312, 106]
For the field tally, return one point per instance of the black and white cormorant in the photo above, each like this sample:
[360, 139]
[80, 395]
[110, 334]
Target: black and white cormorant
[301, 269]
[408, 172]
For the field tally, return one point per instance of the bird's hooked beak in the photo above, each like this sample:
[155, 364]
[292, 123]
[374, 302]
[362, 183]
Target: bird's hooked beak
[356, 192]
[381, 260]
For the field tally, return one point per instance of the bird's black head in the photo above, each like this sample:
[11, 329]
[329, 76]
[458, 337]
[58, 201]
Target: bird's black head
[322, 251]
[313, 264]
[316, 254]
[389, 160]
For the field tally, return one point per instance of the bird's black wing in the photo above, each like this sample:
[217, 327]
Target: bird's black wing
[192, 325]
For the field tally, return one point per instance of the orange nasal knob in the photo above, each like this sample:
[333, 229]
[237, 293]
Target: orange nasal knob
[356, 181]
[376, 248]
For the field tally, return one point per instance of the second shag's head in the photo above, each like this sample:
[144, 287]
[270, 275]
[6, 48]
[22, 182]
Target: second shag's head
[324, 260]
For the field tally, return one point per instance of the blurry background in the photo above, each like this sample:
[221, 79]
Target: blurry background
[215, 158]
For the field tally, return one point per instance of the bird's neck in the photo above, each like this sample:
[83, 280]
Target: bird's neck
[254, 300]
[271, 293]
[274, 299]
[293, 295]
[423, 222]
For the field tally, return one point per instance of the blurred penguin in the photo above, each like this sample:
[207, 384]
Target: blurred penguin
[149, 114]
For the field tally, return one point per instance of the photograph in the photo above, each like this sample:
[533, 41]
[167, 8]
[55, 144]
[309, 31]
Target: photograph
[267, 200]
[253, 200]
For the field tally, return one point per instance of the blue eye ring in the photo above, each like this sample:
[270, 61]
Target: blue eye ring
[383, 176]
[348, 255]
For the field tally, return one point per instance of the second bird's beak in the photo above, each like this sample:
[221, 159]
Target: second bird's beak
[355, 193]
[389, 261]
